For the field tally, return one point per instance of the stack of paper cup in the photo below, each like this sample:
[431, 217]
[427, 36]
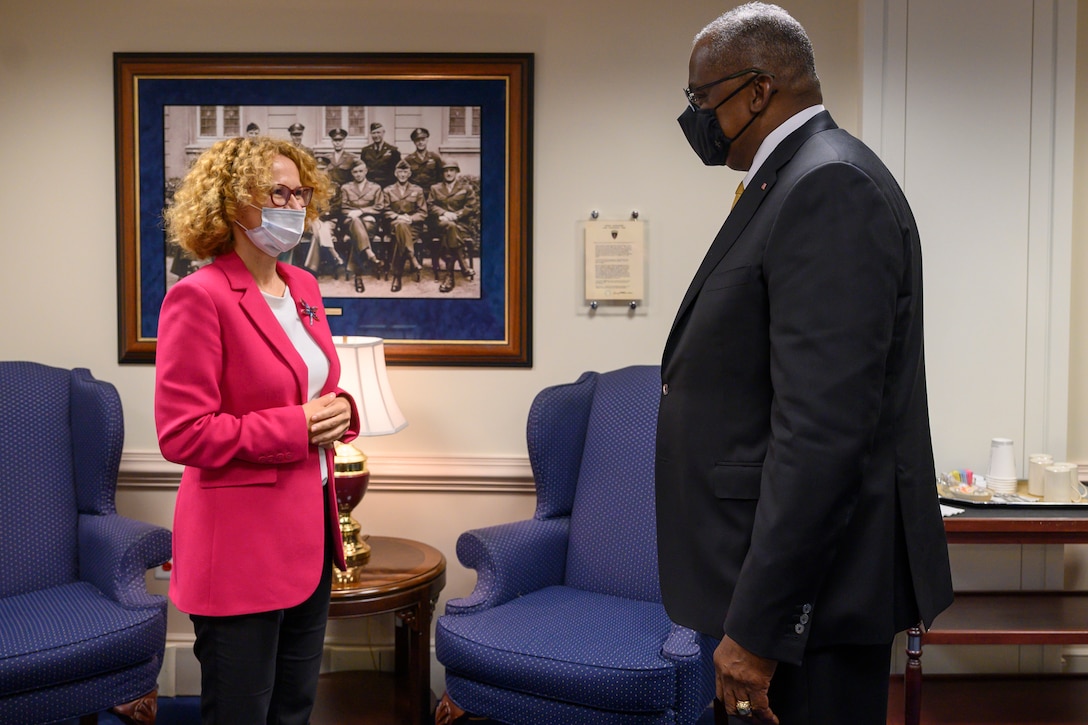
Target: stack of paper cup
[1002, 474]
[1037, 463]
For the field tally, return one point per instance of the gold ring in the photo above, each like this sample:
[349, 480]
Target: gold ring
[744, 708]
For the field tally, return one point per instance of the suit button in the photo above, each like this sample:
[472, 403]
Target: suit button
[806, 608]
[665, 389]
[799, 628]
[804, 619]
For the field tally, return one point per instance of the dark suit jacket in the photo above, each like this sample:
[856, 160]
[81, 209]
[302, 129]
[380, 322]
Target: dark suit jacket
[796, 497]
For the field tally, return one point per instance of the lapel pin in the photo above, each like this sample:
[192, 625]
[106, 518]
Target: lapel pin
[308, 311]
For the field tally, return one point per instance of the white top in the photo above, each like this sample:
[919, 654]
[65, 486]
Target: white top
[317, 365]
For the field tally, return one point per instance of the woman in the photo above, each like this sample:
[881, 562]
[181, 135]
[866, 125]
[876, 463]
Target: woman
[246, 398]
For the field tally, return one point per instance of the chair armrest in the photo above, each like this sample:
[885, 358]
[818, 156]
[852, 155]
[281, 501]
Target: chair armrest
[511, 560]
[693, 655]
[682, 644]
[115, 553]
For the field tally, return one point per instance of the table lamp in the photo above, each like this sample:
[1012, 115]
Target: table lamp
[363, 376]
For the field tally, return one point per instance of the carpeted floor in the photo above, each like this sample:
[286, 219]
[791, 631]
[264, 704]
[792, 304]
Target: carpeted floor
[186, 711]
[172, 711]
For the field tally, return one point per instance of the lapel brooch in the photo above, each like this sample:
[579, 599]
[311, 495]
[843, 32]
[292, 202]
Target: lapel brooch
[308, 311]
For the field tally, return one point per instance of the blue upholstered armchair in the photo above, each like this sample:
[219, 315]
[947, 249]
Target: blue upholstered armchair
[565, 624]
[79, 632]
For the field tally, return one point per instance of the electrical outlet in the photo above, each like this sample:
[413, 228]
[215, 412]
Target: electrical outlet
[163, 570]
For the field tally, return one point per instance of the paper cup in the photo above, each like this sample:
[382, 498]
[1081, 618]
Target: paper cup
[1001, 485]
[1037, 463]
[1002, 459]
[1061, 485]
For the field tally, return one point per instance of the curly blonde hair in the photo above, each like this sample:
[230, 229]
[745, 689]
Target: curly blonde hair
[228, 176]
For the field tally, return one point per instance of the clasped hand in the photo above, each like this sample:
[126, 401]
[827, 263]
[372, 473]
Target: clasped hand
[327, 418]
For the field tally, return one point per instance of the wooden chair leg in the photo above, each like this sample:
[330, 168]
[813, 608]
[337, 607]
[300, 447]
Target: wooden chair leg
[447, 711]
[912, 678]
[141, 711]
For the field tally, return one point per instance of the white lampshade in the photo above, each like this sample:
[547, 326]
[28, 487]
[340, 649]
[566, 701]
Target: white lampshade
[362, 375]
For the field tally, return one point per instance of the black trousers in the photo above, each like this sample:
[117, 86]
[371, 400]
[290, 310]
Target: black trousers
[262, 669]
[842, 685]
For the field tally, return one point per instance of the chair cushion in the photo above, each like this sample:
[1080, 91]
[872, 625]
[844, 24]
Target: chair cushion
[566, 644]
[507, 706]
[69, 633]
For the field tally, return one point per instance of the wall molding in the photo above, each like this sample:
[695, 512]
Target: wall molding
[147, 469]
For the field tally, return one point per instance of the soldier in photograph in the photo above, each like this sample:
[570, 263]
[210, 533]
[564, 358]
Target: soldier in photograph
[362, 204]
[340, 161]
[406, 211]
[295, 131]
[426, 165]
[452, 203]
[381, 158]
[326, 250]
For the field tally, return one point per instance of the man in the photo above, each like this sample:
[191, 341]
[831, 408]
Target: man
[253, 130]
[340, 161]
[426, 165]
[406, 209]
[381, 158]
[797, 516]
[452, 204]
[295, 131]
[362, 205]
[321, 233]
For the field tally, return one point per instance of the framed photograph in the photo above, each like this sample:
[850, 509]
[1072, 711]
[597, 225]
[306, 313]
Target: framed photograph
[427, 240]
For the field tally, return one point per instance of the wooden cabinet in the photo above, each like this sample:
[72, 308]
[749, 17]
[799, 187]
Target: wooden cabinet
[1020, 617]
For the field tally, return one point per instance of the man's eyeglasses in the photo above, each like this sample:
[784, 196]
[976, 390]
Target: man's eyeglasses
[697, 95]
[281, 195]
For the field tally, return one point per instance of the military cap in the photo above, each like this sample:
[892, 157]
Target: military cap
[323, 161]
[451, 164]
[402, 164]
[375, 126]
[296, 128]
[338, 134]
[420, 133]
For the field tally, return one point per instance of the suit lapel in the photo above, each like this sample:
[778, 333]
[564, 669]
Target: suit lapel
[264, 321]
[742, 214]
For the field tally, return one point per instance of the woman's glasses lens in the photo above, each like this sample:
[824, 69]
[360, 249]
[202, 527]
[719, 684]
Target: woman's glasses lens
[281, 195]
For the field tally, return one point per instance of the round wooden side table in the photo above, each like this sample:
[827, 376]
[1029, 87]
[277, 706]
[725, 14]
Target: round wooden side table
[404, 577]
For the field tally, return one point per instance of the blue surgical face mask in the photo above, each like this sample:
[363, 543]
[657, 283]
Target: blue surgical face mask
[280, 231]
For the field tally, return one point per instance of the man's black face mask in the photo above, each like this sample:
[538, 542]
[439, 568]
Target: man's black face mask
[704, 133]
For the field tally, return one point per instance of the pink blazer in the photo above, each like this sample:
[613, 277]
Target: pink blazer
[249, 524]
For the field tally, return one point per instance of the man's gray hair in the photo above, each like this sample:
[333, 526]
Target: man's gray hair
[763, 36]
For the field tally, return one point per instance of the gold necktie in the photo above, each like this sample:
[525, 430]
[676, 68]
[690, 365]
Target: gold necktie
[736, 197]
